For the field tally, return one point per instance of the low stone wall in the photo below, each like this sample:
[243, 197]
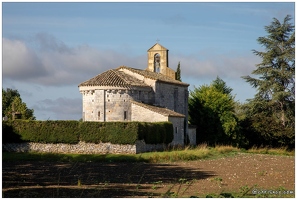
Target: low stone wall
[83, 148]
[141, 147]
[192, 134]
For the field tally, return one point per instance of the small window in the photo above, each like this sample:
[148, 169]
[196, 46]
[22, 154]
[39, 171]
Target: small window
[125, 115]
[176, 129]
[99, 115]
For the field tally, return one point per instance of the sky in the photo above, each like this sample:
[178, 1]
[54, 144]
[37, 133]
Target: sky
[48, 49]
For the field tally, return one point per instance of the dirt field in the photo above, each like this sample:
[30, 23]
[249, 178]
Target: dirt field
[243, 174]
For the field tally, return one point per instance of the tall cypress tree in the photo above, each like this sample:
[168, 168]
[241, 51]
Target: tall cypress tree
[178, 73]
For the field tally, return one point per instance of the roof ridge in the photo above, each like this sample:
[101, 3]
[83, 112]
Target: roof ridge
[114, 77]
[158, 44]
[153, 75]
[149, 107]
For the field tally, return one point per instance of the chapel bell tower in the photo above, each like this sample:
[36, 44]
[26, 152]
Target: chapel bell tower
[158, 61]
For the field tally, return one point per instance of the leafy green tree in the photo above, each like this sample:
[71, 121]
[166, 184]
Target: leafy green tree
[211, 108]
[271, 112]
[7, 97]
[178, 73]
[221, 86]
[12, 102]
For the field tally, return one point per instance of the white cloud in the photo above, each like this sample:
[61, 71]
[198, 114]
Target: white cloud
[225, 66]
[53, 63]
[20, 62]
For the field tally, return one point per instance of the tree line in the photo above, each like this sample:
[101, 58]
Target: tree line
[268, 119]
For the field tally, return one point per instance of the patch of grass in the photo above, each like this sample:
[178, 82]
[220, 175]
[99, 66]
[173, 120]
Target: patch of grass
[272, 151]
[226, 149]
[190, 153]
[180, 155]
[262, 173]
[171, 155]
[10, 156]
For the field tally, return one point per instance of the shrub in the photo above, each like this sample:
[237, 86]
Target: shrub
[43, 131]
[9, 135]
[156, 133]
[113, 132]
[92, 132]
[72, 132]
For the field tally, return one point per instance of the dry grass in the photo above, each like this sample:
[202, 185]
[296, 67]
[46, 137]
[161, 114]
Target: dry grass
[226, 149]
[272, 151]
[188, 153]
[202, 151]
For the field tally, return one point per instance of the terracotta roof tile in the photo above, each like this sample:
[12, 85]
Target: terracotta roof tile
[154, 76]
[113, 78]
[160, 110]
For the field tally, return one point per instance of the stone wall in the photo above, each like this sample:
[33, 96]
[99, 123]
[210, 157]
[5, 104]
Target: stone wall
[192, 135]
[173, 97]
[112, 104]
[141, 114]
[116, 104]
[163, 52]
[178, 130]
[83, 148]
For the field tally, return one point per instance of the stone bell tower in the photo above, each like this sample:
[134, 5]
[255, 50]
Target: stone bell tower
[158, 61]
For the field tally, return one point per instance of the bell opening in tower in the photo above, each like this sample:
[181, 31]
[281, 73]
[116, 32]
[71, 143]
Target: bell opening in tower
[157, 63]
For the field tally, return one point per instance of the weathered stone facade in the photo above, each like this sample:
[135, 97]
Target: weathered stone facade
[129, 94]
[146, 113]
[158, 61]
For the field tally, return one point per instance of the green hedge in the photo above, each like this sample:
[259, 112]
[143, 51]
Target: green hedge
[113, 132]
[71, 132]
[41, 131]
[156, 133]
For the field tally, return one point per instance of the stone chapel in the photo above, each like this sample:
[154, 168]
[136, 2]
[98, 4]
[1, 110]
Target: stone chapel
[130, 94]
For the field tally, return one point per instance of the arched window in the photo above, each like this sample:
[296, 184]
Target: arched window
[157, 63]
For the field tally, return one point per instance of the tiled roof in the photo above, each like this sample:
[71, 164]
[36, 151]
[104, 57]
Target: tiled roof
[160, 110]
[113, 78]
[154, 75]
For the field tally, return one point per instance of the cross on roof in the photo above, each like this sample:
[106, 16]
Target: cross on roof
[157, 40]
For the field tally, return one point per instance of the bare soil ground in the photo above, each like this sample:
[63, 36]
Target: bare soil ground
[246, 173]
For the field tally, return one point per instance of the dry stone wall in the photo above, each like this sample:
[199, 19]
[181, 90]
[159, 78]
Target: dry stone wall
[83, 148]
